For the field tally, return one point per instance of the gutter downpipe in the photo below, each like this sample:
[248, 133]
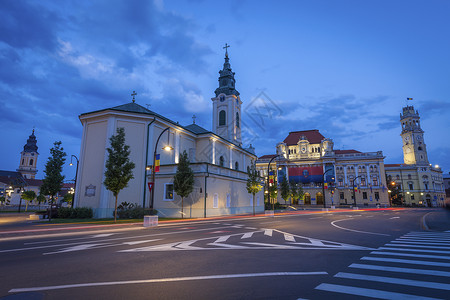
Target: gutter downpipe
[206, 177]
[146, 162]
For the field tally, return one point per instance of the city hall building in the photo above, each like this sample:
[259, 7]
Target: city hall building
[328, 177]
[217, 157]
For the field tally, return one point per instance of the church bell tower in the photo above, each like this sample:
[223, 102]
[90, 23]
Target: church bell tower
[28, 158]
[227, 105]
[414, 148]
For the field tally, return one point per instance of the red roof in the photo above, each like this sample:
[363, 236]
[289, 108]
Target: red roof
[267, 156]
[313, 136]
[350, 151]
[33, 182]
[392, 165]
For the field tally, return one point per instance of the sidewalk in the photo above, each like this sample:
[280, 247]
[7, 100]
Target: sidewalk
[438, 220]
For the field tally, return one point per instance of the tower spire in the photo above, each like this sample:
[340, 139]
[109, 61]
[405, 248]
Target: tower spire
[226, 49]
[226, 78]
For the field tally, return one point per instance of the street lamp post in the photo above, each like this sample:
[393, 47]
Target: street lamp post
[323, 187]
[167, 148]
[75, 181]
[353, 186]
[268, 181]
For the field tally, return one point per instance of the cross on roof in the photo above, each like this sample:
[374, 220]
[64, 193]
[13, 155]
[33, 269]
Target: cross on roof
[133, 94]
[193, 119]
[226, 49]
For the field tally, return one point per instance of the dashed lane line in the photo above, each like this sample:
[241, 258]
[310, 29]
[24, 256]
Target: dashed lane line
[175, 279]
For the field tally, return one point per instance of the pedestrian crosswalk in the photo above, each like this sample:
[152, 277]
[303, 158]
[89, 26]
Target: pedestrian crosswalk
[414, 266]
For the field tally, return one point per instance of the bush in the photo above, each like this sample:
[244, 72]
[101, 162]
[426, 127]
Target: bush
[132, 211]
[75, 213]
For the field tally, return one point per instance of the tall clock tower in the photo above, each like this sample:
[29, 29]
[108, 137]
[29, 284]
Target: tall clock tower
[28, 158]
[227, 105]
[414, 148]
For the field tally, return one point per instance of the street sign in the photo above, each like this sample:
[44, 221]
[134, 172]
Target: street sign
[150, 186]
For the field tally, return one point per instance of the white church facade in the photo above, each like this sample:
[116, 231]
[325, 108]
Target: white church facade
[217, 158]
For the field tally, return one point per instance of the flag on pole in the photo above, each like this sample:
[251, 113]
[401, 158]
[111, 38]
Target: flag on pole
[271, 177]
[325, 185]
[356, 188]
[409, 98]
[157, 162]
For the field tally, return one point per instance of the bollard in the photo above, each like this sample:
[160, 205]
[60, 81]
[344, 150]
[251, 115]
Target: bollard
[150, 221]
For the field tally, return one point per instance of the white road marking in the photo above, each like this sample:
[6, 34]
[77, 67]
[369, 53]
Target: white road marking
[437, 238]
[251, 228]
[140, 242]
[401, 270]
[247, 235]
[392, 280]
[418, 246]
[394, 218]
[102, 235]
[407, 261]
[412, 250]
[222, 239]
[316, 218]
[332, 223]
[411, 255]
[289, 238]
[419, 242]
[175, 279]
[108, 240]
[368, 292]
[79, 248]
[268, 232]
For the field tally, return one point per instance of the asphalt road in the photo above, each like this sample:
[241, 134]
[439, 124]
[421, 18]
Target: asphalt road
[381, 254]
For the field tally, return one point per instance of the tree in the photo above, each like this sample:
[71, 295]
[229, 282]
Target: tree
[253, 183]
[119, 168]
[294, 191]
[68, 198]
[183, 181]
[40, 199]
[28, 196]
[53, 179]
[284, 189]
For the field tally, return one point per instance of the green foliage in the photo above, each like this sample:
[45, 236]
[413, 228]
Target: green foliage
[3, 200]
[75, 213]
[285, 190]
[119, 168]
[68, 198]
[253, 181]
[132, 211]
[53, 179]
[29, 196]
[41, 199]
[296, 191]
[183, 181]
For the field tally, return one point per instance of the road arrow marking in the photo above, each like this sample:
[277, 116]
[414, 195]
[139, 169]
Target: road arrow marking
[102, 235]
[77, 248]
[268, 232]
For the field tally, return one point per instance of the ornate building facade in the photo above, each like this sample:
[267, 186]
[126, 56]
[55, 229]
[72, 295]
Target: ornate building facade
[419, 182]
[328, 177]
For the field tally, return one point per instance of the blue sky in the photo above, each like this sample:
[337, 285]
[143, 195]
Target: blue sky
[343, 67]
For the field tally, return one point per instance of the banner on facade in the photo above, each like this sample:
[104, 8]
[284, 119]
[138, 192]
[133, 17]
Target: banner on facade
[305, 174]
[157, 162]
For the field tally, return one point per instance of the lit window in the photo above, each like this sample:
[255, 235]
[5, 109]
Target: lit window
[168, 191]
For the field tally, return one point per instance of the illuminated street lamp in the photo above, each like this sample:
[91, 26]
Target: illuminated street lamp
[353, 185]
[268, 181]
[76, 175]
[323, 186]
[167, 148]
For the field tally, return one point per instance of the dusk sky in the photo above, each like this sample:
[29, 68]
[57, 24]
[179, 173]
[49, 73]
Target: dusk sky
[344, 67]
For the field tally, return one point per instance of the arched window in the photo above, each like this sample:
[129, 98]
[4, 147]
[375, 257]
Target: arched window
[31, 162]
[23, 161]
[236, 166]
[222, 118]
[237, 120]
[221, 161]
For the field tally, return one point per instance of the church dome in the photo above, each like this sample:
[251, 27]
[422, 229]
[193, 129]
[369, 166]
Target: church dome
[31, 145]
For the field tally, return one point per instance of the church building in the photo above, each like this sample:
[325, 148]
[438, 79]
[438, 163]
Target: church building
[217, 157]
[419, 182]
[328, 177]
